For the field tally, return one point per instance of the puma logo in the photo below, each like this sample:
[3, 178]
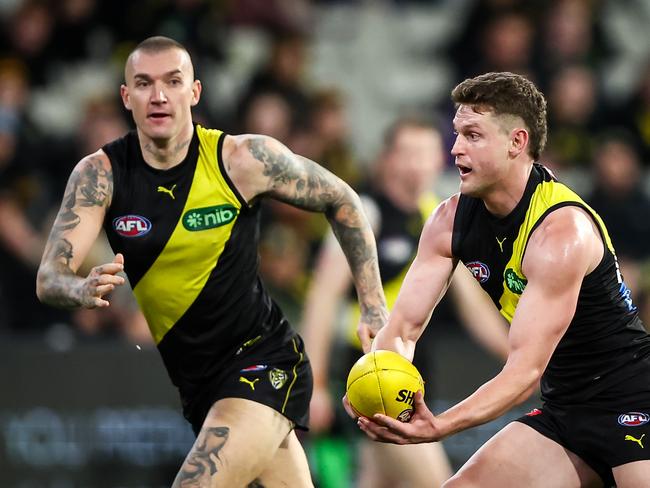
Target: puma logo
[249, 382]
[170, 191]
[633, 439]
[500, 242]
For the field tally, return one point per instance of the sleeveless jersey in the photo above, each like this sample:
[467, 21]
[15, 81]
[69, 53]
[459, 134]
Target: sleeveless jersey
[605, 341]
[189, 241]
[397, 244]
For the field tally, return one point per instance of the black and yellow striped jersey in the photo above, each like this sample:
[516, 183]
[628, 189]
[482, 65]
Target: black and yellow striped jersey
[189, 241]
[605, 340]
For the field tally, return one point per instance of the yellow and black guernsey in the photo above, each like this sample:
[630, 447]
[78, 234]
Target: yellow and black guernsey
[605, 341]
[189, 241]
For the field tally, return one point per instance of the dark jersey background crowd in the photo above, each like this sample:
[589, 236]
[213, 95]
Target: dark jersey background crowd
[325, 77]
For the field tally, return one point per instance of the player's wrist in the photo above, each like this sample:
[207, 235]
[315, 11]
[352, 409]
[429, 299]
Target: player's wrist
[445, 425]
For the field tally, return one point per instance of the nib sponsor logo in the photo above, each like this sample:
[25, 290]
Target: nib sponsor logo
[514, 282]
[198, 219]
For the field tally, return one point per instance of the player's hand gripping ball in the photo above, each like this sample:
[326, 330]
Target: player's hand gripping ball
[383, 382]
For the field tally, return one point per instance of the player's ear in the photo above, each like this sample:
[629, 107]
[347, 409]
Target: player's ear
[124, 93]
[196, 92]
[518, 142]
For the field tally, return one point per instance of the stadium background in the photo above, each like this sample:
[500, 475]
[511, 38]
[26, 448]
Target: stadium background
[84, 398]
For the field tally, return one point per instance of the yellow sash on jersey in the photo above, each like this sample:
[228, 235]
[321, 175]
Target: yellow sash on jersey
[178, 275]
[548, 194]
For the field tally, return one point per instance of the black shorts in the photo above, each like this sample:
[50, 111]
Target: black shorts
[611, 430]
[275, 372]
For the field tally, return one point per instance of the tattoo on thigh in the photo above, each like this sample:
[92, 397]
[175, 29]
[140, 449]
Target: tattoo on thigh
[201, 462]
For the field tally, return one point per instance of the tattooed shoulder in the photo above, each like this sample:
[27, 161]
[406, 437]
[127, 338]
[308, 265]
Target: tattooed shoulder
[91, 182]
[295, 179]
[276, 164]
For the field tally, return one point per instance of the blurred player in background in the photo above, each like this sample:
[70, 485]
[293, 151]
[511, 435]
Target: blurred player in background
[398, 203]
[551, 269]
[180, 206]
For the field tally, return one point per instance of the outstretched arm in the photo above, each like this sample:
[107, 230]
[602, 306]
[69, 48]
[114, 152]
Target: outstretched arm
[424, 284]
[77, 225]
[560, 253]
[260, 166]
[330, 282]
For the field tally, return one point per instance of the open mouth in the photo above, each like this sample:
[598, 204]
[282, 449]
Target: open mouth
[158, 115]
[463, 169]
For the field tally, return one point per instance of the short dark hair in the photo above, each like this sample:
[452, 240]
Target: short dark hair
[507, 93]
[407, 122]
[156, 44]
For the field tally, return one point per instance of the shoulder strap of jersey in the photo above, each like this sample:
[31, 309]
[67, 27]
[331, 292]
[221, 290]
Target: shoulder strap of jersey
[549, 196]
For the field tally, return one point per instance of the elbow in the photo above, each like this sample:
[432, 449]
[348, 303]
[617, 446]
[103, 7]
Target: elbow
[347, 198]
[54, 288]
[41, 286]
[526, 393]
[533, 376]
[526, 381]
[45, 285]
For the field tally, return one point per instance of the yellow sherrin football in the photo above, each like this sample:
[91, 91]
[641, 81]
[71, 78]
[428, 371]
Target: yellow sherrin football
[383, 382]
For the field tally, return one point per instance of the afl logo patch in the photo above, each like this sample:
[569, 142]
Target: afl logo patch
[405, 415]
[131, 225]
[633, 419]
[479, 270]
[253, 368]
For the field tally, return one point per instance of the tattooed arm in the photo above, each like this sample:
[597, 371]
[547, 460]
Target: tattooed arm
[77, 225]
[260, 166]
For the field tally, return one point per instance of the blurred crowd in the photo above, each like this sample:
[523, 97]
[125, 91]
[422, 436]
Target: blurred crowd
[60, 70]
